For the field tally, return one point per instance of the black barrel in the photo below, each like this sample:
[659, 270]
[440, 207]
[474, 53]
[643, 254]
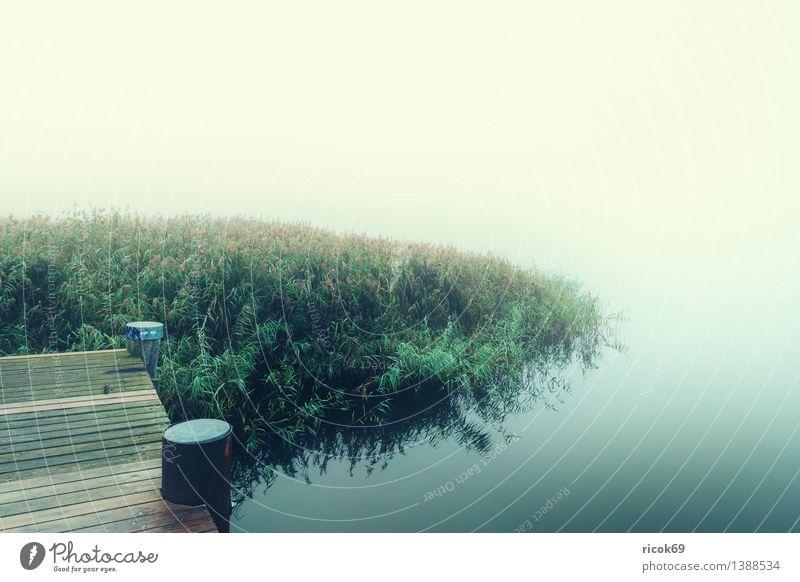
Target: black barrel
[196, 466]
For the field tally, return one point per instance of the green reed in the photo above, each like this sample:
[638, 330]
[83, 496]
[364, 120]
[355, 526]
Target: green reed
[279, 327]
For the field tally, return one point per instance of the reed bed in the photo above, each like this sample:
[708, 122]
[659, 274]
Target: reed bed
[285, 329]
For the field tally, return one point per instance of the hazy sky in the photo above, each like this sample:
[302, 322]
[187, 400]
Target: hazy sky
[650, 149]
[593, 135]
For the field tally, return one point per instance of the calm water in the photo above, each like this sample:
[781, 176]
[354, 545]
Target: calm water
[694, 427]
[657, 167]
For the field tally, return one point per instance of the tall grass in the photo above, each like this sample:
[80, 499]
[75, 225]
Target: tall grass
[283, 329]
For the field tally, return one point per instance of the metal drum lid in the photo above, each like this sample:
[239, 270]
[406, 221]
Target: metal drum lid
[197, 432]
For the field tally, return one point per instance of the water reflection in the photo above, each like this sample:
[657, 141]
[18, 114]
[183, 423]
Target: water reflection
[473, 419]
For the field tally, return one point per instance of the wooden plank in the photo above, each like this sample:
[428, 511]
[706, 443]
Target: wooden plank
[9, 408]
[50, 361]
[85, 452]
[78, 509]
[80, 402]
[85, 404]
[56, 375]
[135, 513]
[24, 378]
[79, 425]
[38, 390]
[37, 384]
[85, 390]
[56, 447]
[54, 368]
[202, 525]
[11, 375]
[80, 447]
[67, 465]
[19, 438]
[45, 417]
[150, 521]
[30, 357]
[25, 491]
[140, 512]
[118, 469]
[103, 436]
[87, 495]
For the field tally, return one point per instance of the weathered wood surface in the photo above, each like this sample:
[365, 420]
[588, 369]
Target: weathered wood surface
[80, 447]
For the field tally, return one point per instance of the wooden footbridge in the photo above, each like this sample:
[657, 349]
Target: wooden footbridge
[80, 447]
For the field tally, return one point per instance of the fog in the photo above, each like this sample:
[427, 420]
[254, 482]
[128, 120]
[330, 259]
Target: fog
[615, 141]
[648, 150]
